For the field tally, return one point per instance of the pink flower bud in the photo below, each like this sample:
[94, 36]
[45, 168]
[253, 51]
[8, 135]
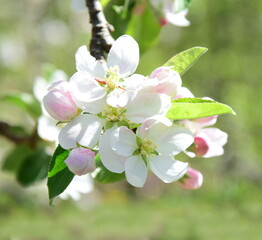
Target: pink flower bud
[59, 102]
[192, 180]
[81, 161]
[201, 146]
[163, 22]
[169, 81]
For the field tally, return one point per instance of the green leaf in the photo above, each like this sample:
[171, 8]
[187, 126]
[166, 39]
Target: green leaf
[103, 175]
[145, 29]
[119, 19]
[34, 167]
[190, 108]
[24, 101]
[59, 176]
[57, 163]
[185, 60]
[104, 2]
[16, 157]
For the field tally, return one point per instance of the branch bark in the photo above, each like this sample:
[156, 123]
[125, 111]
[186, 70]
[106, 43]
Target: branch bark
[101, 40]
[7, 131]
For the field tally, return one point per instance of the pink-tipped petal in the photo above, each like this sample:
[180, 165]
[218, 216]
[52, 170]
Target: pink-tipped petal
[169, 81]
[59, 102]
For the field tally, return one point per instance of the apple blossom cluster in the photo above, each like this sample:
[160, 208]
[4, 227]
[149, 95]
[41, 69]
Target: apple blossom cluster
[108, 111]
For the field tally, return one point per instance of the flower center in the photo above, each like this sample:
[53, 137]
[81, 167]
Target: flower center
[114, 114]
[147, 147]
[112, 77]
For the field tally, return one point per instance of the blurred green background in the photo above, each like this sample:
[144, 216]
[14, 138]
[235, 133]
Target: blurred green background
[228, 206]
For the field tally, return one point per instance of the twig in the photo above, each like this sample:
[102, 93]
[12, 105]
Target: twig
[101, 40]
[7, 131]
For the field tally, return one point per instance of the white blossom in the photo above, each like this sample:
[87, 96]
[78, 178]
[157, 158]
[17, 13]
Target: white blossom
[159, 141]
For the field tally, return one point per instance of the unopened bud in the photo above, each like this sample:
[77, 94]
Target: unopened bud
[192, 180]
[59, 102]
[81, 161]
[163, 22]
[201, 146]
[169, 81]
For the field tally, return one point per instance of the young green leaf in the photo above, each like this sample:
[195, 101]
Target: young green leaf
[103, 175]
[185, 60]
[24, 101]
[145, 29]
[190, 108]
[59, 176]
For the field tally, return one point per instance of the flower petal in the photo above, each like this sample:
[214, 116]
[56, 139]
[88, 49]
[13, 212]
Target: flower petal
[166, 168]
[174, 141]
[152, 128]
[47, 128]
[85, 88]
[125, 54]
[215, 139]
[92, 107]
[84, 129]
[123, 141]
[111, 160]
[146, 105]
[86, 62]
[120, 98]
[178, 19]
[136, 171]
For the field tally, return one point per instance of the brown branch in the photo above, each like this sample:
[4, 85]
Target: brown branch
[101, 40]
[7, 131]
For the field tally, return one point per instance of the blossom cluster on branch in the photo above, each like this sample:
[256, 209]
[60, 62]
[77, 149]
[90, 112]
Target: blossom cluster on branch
[108, 112]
